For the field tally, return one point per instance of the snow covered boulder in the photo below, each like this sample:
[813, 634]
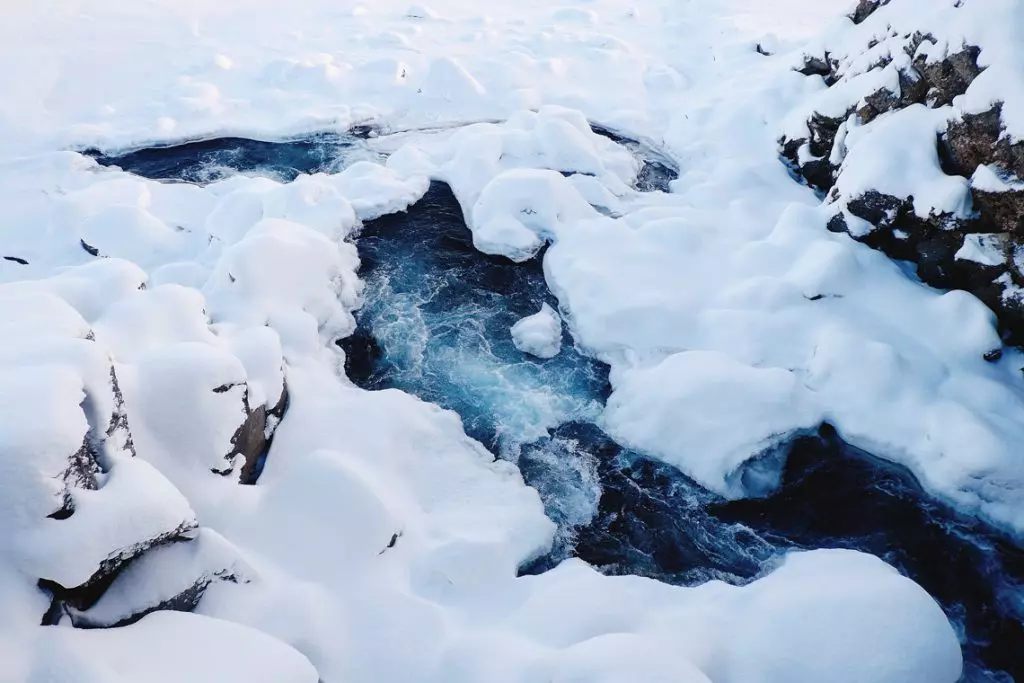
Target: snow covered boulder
[167, 647]
[206, 388]
[723, 423]
[225, 382]
[78, 506]
[172, 576]
[839, 616]
[539, 334]
[521, 209]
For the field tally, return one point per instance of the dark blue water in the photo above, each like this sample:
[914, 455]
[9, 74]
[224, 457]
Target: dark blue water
[206, 161]
[436, 324]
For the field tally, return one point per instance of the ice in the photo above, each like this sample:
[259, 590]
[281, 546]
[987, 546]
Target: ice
[539, 334]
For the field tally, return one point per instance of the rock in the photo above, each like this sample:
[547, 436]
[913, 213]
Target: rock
[1004, 210]
[947, 78]
[975, 140]
[255, 435]
[865, 8]
[85, 595]
[944, 247]
[881, 210]
[173, 576]
[817, 66]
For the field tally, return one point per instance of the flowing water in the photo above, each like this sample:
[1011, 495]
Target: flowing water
[436, 324]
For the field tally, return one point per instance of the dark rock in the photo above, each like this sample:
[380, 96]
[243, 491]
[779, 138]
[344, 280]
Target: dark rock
[118, 431]
[936, 258]
[865, 8]
[838, 223]
[84, 596]
[186, 601]
[253, 438]
[823, 133]
[817, 66]
[91, 250]
[16, 259]
[950, 77]
[876, 208]
[975, 141]
[1004, 211]
[878, 103]
[80, 473]
[993, 356]
[819, 174]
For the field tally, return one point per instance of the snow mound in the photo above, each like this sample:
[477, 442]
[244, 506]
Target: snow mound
[712, 417]
[539, 334]
[168, 647]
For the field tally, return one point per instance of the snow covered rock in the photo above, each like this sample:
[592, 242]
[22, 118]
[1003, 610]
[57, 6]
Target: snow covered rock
[918, 100]
[167, 647]
[539, 334]
[173, 576]
[722, 423]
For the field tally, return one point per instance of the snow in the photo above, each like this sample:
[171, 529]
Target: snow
[381, 543]
[709, 415]
[991, 179]
[988, 249]
[539, 334]
[152, 650]
[897, 156]
[164, 573]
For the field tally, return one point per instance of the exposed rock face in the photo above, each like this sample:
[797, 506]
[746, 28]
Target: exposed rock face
[865, 8]
[85, 595]
[946, 246]
[170, 576]
[254, 436]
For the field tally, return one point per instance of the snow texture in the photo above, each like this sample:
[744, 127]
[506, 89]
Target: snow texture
[381, 543]
[539, 334]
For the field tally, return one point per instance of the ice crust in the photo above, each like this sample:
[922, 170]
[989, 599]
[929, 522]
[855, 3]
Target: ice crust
[381, 543]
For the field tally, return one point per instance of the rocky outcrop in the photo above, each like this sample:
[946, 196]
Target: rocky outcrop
[866, 8]
[171, 576]
[973, 249]
[85, 595]
[252, 439]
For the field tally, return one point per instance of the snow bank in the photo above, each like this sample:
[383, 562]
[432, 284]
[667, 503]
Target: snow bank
[168, 647]
[790, 626]
[539, 334]
[709, 416]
